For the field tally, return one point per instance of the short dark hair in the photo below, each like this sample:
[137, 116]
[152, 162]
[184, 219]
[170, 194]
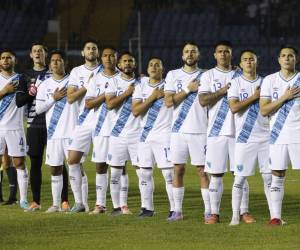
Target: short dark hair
[89, 41]
[123, 53]
[39, 43]
[155, 57]
[190, 43]
[58, 52]
[288, 46]
[8, 50]
[247, 50]
[109, 47]
[223, 42]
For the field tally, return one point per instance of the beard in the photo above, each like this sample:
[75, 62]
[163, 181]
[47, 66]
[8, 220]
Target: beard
[6, 68]
[90, 58]
[190, 63]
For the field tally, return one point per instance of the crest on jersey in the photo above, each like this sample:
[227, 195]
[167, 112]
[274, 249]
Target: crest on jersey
[240, 168]
[106, 84]
[109, 156]
[208, 164]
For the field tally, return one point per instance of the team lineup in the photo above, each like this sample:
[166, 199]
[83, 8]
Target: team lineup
[222, 119]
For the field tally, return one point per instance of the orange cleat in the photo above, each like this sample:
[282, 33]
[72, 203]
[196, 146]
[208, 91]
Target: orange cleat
[247, 218]
[33, 207]
[65, 206]
[213, 219]
[125, 210]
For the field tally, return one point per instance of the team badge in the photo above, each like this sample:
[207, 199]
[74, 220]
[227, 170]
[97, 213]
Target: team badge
[208, 164]
[240, 168]
[109, 156]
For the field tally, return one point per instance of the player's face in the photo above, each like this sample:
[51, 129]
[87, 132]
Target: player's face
[127, 64]
[38, 54]
[90, 52]
[109, 58]
[7, 61]
[248, 62]
[223, 55]
[190, 55]
[155, 69]
[287, 59]
[57, 64]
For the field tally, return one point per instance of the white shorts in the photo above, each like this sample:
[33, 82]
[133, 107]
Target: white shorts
[247, 155]
[57, 151]
[155, 151]
[100, 148]
[281, 154]
[184, 145]
[81, 139]
[219, 149]
[122, 149]
[15, 141]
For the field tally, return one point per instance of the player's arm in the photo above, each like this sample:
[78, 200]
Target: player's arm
[268, 107]
[174, 99]
[140, 107]
[113, 101]
[240, 106]
[7, 89]
[25, 95]
[211, 99]
[95, 102]
[74, 94]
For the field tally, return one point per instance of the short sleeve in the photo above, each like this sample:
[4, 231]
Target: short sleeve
[204, 83]
[233, 91]
[265, 91]
[137, 94]
[169, 85]
[73, 80]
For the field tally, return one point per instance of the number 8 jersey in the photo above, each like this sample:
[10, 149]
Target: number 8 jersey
[189, 116]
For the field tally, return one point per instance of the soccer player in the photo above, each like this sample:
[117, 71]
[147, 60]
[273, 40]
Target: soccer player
[189, 125]
[214, 84]
[12, 133]
[36, 125]
[279, 99]
[125, 128]
[251, 131]
[154, 145]
[79, 80]
[60, 120]
[95, 99]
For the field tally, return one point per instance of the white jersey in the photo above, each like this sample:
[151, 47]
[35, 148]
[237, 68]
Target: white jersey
[221, 121]
[79, 77]
[189, 116]
[60, 115]
[11, 117]
[123, 122]
[100, 117]
[250, 125]
[284, 125]
[157, 120]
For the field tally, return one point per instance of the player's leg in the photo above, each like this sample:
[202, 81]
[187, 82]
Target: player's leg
[216, 166]
[65, 206]
[197, 149]
[124, 191]
[99, 156]
[179, 156]
[84, 189]
[279, 158]
[56, 188]
[12, 178]
[117, 157]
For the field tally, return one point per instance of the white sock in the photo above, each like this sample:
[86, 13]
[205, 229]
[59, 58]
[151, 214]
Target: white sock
[75, 177]
[115, 186]
[101, 189]
[245, 199]
[22, 176]
[276, 194]
[206, 200]
[56, 187]
[215, 193]
[237, 194]
[138, 173]
[84, 189]
[267, 178]
[147, 188]
[178, 194]
[124, 190]
[168, 176]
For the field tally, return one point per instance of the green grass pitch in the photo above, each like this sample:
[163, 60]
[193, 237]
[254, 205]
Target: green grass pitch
[19, 230]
